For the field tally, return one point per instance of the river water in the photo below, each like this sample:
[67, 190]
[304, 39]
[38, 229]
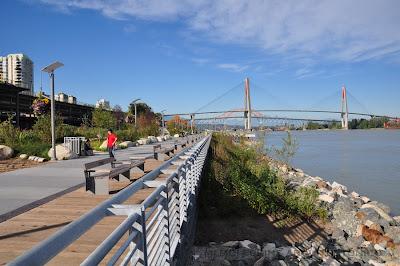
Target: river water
[366, 161]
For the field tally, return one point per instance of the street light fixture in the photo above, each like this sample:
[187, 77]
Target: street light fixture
[50, 69]
[162, 119]
[134, 102]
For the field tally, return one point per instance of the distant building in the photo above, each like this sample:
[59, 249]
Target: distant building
[17, 69]
[103, 104]
[62, 97]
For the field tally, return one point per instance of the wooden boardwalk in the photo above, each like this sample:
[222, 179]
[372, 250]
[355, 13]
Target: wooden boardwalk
[22, 232]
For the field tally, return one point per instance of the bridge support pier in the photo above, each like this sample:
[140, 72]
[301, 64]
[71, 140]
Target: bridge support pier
[247, 105]
[345, 110]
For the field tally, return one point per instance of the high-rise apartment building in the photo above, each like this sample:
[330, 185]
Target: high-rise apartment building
[17, 69]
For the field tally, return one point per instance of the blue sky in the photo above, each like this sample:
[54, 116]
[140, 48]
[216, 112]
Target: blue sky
[180, 54]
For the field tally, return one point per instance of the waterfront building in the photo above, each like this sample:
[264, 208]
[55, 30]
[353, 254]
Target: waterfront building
[17, 69]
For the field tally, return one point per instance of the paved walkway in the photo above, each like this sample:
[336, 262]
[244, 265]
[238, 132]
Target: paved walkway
[23, 189]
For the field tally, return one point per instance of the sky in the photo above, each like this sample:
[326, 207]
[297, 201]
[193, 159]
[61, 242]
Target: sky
[179, 55]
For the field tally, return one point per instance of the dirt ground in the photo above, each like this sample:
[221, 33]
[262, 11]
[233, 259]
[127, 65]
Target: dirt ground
[259, 229]
[16, 163]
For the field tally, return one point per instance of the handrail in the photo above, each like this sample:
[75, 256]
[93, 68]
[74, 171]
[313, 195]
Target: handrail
[49, 248]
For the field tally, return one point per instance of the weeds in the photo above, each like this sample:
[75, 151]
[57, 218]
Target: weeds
[244, 173]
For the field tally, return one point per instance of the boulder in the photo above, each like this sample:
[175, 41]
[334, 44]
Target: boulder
[322, 184]
[250, 245]
[365, 199]
[380, 211]
[160, 139]
[24, 156]
[344, 216]
[127, 144]
[63, 153]
[394, 233]
[152, 139]
[326, 198]
[375, 237]
[270, 252]
[285, 251]
[336, 185]
[231, 244]
[176, 136]
[143, 141]
[5, 152]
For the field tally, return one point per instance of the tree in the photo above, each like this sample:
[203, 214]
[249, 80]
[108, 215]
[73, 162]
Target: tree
[288, 149]
[141, 108]
[177, 125]
[119, 115]
[103, 119]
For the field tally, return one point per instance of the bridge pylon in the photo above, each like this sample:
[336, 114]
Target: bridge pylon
[345, 110]
[247, 105]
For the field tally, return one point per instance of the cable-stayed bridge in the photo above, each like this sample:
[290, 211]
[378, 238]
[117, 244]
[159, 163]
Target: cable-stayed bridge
[249, 114]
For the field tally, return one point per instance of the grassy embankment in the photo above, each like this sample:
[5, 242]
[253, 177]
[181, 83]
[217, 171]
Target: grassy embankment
[239, 182]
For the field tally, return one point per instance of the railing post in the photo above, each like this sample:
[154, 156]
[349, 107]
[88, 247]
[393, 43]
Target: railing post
[166, 208]
[144, 241]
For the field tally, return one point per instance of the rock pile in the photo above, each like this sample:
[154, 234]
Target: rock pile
[362, 230]
[247, 253]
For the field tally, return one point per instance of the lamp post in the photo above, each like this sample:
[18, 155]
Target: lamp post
[50, 69]
[134, 103]
[162, 121]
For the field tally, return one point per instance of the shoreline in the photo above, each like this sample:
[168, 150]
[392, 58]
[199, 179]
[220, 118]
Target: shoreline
[359, 231]
[359, 223]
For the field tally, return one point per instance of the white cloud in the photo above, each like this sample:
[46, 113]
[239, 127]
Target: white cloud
[338, 30]
[232, 67]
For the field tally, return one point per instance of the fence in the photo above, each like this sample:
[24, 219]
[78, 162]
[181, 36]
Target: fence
[75, 144]
[157, 229]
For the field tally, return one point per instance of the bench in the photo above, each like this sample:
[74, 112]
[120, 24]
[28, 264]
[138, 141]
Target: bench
[97, 180]
[180, 145]
[161, 153]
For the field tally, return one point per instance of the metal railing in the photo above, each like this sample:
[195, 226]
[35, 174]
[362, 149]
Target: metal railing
[75, 144]
[156, 229]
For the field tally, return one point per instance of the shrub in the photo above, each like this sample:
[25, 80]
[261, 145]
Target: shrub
[128, 134]
[245, 173]
[33, 148]
[8, 132]
[103, 118]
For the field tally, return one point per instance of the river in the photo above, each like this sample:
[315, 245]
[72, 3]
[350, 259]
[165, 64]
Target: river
[366, 161]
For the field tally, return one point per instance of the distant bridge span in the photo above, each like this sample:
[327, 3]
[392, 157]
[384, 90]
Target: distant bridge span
[282, 110]
[270, 118]
[249, 113]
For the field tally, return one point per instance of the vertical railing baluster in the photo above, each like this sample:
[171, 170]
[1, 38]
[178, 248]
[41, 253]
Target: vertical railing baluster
[143, 239]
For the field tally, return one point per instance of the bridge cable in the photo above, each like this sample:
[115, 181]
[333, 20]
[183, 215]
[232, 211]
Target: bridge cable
[219, 97]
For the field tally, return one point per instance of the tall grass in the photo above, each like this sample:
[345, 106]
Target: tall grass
[244, 174]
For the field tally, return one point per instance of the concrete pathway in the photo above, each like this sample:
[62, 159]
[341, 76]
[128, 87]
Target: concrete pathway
[24, 189]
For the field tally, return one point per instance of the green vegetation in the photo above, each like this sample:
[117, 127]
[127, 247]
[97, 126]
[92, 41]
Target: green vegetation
[353, 124]
[288, 149]
[365, 124]
[237, 176]
[313, 125]
[37, 141]
[23, 141]
[103, 118]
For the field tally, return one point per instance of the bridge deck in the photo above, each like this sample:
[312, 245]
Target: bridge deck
[22, 232]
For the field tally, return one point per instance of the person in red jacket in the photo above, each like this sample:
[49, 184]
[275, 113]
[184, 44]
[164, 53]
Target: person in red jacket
[111, 140]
